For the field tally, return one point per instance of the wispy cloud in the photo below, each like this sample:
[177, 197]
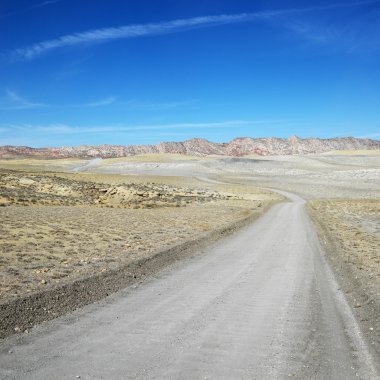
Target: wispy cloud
[339, 32]
[100, 103]
[311, 32]
[157, 105]
[125, 32]
[96, 36]
[13, 101]
[31, 8]
[68, 129]
[44, 4]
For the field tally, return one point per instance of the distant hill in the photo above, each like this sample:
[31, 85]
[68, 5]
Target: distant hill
[238, 147]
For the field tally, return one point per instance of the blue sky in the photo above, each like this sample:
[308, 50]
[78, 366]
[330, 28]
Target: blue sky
[78, 72]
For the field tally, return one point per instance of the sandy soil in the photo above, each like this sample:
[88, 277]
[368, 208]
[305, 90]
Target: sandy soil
[350, 232]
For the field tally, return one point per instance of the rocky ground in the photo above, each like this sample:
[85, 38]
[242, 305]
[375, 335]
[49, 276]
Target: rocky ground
[350, 231]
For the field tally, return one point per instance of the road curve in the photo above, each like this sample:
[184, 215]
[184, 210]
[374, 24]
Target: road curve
[262, 304]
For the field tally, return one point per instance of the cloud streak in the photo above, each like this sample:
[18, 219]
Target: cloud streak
[157, 106]
[125, 32]
[312, 33]
[67, 129]
[44, 4]
[344, 35]
[97, 36]
[100, 103]
[31, 8]
[15, 102]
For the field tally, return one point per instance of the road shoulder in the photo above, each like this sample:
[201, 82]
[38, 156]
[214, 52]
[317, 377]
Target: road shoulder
[352, 253]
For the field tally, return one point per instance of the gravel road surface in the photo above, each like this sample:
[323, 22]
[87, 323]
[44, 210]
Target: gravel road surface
[262, 304]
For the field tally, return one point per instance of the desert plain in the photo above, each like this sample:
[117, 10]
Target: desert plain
[75, 224]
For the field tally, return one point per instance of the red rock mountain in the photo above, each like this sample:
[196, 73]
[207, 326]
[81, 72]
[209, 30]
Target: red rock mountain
[238, 147]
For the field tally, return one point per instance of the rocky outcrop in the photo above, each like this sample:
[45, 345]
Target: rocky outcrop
[238, 147]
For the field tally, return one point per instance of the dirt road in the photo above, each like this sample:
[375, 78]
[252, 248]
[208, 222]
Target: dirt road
[262, 304]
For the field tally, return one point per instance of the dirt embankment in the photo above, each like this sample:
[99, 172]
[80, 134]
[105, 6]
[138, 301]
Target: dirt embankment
[19, 188]
[350, 232]
[66, 242]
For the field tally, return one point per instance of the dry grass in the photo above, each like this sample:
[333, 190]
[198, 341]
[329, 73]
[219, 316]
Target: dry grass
[46, 245]
[57, 227]
[352, 229]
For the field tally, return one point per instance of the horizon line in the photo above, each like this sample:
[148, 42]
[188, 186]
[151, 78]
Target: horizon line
[201, 138]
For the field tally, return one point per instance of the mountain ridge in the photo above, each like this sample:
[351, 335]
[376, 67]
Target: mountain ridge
[238, 147]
